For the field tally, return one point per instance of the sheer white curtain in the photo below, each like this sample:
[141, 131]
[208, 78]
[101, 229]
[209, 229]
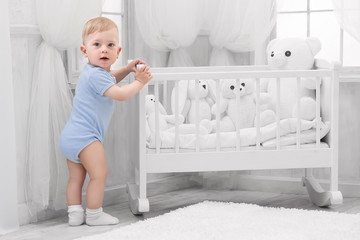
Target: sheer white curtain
[348, 15]
[239, 26]
[60, 23]
[170, 26]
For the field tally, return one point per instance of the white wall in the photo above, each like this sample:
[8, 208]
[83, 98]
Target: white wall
[8, 186]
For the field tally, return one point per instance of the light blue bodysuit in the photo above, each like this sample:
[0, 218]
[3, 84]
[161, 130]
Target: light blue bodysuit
[91, 113]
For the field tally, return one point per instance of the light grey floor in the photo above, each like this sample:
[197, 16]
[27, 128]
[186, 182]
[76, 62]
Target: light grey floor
[58, 229]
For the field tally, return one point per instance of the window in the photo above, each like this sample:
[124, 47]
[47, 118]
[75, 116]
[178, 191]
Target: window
[113, 9]
[301, 18]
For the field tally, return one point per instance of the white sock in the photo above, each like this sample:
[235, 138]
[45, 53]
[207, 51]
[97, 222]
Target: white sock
[76, 215]
[96, 217]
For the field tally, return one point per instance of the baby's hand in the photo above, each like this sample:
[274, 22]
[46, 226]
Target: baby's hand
[132, 64]
[143, 75]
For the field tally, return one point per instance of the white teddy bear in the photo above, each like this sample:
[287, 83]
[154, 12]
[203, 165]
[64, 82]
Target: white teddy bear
[245, 109]
[293, 54]
[167, 122]
[187, 100]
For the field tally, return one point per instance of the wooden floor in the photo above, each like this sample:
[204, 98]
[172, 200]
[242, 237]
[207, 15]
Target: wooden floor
[58, 229]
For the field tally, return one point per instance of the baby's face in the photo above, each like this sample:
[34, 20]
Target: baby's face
[101, 48]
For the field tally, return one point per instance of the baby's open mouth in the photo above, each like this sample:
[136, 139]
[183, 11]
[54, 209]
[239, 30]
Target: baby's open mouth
[104, 58]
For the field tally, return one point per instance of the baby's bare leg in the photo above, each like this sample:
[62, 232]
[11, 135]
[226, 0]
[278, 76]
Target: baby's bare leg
[77, 175]
[93, 159]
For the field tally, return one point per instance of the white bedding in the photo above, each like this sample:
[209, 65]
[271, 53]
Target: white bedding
[287, 130]
[306, 137]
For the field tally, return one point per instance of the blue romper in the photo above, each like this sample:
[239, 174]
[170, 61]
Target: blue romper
[91, 113]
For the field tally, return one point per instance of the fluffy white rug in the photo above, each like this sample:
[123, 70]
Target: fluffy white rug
[218, 220]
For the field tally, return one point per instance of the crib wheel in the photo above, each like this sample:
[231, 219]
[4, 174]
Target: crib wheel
[137, 205]
[319, 196]
[336, 197]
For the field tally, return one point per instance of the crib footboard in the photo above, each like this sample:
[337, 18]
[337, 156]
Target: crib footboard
[177, 135]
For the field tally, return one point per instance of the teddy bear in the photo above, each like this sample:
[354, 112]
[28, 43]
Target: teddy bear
[229, 109]
[293, 54]
[167, 122]
[187, 100]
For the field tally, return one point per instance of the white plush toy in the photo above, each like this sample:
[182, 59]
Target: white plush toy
[245, 109]
[167, 122]
[187, 100]
[293, 54]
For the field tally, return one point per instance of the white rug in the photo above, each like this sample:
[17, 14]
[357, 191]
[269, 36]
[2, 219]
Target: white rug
[217, 220]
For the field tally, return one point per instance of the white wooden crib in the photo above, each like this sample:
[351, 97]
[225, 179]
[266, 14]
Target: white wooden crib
[157, 159]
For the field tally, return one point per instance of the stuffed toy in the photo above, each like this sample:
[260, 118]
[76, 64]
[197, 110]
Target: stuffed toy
[167, 122]
[293, 54]
[187, 100]
[246, 108]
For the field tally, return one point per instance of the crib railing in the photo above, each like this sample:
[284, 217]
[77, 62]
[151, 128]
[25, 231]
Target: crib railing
[164, 76]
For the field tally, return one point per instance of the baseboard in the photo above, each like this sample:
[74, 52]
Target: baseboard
[114, 195]
[275, 184]
[117, 194]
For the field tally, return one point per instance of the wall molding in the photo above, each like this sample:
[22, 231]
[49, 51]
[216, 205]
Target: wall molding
[20, 30]
[276, 184]
[349, 74]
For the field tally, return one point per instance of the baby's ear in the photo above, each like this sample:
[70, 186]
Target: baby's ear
[118, 51]
[83, 50]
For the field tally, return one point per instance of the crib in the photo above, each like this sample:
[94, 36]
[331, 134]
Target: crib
[165, 152]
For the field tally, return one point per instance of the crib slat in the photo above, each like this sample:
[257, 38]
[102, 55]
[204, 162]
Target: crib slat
[165, 93]
[217, 115]
[298, 117]
[257, 81]
[197, 118]
[157, 112]
[278, 113]
[177, 137]
[237, 123]
[318, 119]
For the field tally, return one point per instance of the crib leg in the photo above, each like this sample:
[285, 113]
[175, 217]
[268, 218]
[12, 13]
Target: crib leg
[318, 195]
[138, 202]
[137, 205]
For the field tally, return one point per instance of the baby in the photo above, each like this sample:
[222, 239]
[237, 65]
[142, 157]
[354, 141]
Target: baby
[81, 140]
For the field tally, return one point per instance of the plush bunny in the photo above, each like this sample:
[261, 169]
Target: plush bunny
[245, 109]
[167, 122]
[293, 54]
[187, 100]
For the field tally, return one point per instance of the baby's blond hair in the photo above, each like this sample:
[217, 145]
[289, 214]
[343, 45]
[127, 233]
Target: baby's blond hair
[98, 24]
